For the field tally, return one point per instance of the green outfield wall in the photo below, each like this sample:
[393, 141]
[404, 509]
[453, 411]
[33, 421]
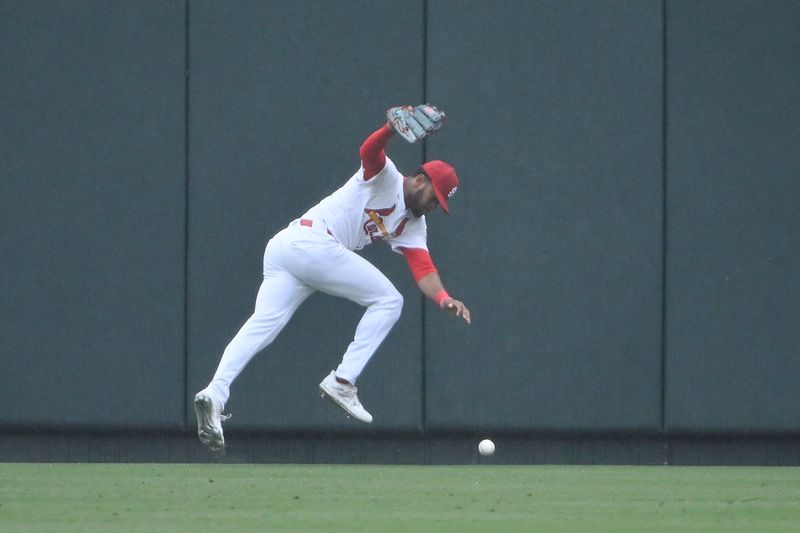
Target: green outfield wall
[626, 232]
[733, 214]
[92, 203]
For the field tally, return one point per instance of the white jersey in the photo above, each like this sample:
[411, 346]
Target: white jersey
[362, 212]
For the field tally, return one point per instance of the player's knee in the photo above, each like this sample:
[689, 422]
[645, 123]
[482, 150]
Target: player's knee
[393, 302]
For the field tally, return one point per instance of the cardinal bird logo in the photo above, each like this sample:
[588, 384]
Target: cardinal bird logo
[374, 226]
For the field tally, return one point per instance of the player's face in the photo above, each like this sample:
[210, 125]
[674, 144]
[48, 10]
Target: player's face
[423, 199]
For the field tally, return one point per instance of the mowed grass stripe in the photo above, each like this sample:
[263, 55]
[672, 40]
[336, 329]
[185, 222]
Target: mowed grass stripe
[219, 497]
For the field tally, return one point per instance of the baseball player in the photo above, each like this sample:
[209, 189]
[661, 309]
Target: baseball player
[316, 252]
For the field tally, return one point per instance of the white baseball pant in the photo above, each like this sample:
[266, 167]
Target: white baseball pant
[298, 261]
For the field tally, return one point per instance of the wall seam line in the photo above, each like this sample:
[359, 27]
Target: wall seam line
[424, 154]
[186, 222]
[664, 229]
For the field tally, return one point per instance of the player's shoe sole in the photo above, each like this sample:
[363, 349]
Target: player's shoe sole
[209, 426]
[344, 397]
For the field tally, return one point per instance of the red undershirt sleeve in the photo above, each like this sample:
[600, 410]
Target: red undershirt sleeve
[419, 261]
[373, 151]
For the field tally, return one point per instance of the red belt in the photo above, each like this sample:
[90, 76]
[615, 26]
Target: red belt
[310, 223]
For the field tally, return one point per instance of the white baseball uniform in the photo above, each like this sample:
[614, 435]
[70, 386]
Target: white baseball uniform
[315, 252]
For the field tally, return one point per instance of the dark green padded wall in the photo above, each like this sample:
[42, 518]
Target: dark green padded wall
[282, 95]
[92, 213]
[555, 242]
[554, 238]
[733, 240]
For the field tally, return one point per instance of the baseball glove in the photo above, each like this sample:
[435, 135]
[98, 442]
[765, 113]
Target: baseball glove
[415, 123]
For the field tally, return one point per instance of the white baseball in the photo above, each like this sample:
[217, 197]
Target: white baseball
[486, 447]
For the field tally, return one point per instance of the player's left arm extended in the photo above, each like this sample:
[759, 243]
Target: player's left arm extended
[431, 286]
[429, 282]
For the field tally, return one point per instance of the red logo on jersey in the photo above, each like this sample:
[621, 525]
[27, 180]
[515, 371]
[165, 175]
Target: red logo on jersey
[374, 226]
[400, 227]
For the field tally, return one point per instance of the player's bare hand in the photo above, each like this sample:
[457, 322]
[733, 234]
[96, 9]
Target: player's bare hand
[457, 307]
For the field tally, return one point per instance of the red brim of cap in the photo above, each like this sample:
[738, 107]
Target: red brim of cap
[442, 200]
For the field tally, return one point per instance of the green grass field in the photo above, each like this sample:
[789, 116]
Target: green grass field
[218, 497]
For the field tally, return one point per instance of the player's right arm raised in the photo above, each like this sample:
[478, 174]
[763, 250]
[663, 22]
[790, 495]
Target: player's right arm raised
[373, 151]
[413, 123]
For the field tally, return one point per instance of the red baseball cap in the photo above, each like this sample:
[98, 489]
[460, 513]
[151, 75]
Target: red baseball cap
[444, 180]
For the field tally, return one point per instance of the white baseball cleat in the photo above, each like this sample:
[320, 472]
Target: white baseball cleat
[209, 421]
[344, 395]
